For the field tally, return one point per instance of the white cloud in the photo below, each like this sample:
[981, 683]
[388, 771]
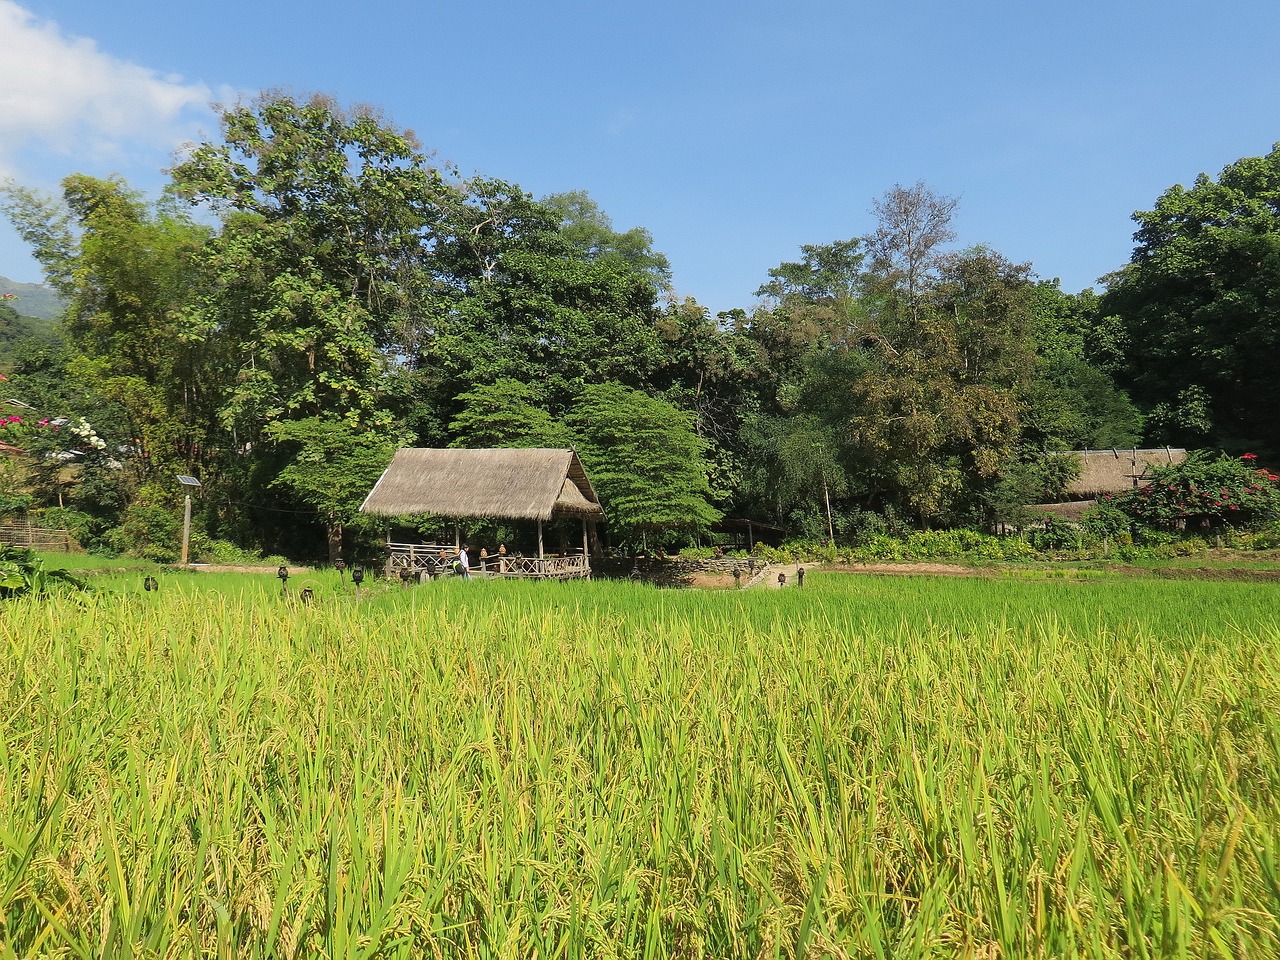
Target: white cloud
[62, 95]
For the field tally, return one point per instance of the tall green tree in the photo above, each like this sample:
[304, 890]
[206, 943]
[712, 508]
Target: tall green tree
[126, 270]
[520, 300]
[507, 413]
[317, 269]
[589, 230]
[645, 460]
[332, 465]
[1199, 306]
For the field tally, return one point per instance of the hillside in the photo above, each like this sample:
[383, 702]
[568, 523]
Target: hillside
[34, 300]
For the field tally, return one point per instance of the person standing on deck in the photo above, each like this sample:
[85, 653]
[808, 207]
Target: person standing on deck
[464, 562]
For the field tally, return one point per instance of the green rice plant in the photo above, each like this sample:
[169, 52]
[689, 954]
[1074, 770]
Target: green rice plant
[868, 767]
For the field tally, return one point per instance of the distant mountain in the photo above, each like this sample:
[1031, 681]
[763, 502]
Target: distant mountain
[34, 299]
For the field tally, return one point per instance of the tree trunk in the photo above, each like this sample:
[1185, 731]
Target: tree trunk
[334, 530]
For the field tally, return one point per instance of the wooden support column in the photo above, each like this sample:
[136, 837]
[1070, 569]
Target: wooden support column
[586, 554]
[539, 540]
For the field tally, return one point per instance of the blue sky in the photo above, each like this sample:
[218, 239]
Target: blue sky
[734, 132]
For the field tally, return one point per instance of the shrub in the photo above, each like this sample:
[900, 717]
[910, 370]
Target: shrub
[151, 528]
[1204, 492]
[22, 572]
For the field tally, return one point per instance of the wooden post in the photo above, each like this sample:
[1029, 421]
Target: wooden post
[586, 554]
[186, 528]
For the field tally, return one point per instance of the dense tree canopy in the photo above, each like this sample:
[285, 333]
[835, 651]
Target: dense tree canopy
[1199, 309]
[352, 295]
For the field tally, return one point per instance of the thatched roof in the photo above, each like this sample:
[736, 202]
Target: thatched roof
[501, 484]
[1114, 471]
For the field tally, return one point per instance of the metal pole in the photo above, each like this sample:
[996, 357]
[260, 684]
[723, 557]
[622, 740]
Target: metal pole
[831, 533]
[186, 528]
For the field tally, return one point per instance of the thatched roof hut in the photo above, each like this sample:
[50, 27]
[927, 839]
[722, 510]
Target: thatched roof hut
[498, 484]
[1115, 471]
[1108, 471]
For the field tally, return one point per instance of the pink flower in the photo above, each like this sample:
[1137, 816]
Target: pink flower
[1249, 456]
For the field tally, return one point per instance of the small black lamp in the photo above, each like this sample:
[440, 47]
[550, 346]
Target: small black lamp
[150, 583]
[737, 577]
[782, 579]
[283, 574]
[341, 566]
[306, 596]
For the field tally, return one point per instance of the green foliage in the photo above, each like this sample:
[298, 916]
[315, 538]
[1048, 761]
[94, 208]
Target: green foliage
[1053, 535]
[1204, 491]
[1199, 306]
[506, 413]
[85, 528]
[1104, 521]
[23, 573]
[150, 527]
[645, 460]
[314, 269]
[589, 230]
[206, 549]
[332, 465]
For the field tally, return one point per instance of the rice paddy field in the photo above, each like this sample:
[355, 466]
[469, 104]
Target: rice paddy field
[869, 767]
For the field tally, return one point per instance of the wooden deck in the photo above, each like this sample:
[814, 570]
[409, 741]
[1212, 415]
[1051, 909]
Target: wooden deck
[424, 560]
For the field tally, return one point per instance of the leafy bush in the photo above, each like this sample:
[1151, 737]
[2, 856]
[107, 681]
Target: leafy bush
[1204, 492]
[22, 572]
[207, 549]
[83, 527]
[1054, 535]
[1104, 521]
[151, 528]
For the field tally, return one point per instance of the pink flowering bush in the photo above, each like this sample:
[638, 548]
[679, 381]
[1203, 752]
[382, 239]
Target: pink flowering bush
[1205, 492]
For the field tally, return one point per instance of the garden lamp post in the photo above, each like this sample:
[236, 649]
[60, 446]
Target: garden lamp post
[188, 484]
[357, 576]
[341, 566]
[283, 574]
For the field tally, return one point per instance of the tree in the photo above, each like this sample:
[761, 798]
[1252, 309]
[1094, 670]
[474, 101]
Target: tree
[519, 300]
[125, 269]
[589, 230]
[913, 223]
[318, 265]
[937, 412]
[645, 461]
[506, 413]
[1199, 307]
[332, 467]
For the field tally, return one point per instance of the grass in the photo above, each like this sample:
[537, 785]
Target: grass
[870, 767]
[87, 564]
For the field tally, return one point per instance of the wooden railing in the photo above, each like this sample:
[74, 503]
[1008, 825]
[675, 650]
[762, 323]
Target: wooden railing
[548, 568]
[418, 559]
